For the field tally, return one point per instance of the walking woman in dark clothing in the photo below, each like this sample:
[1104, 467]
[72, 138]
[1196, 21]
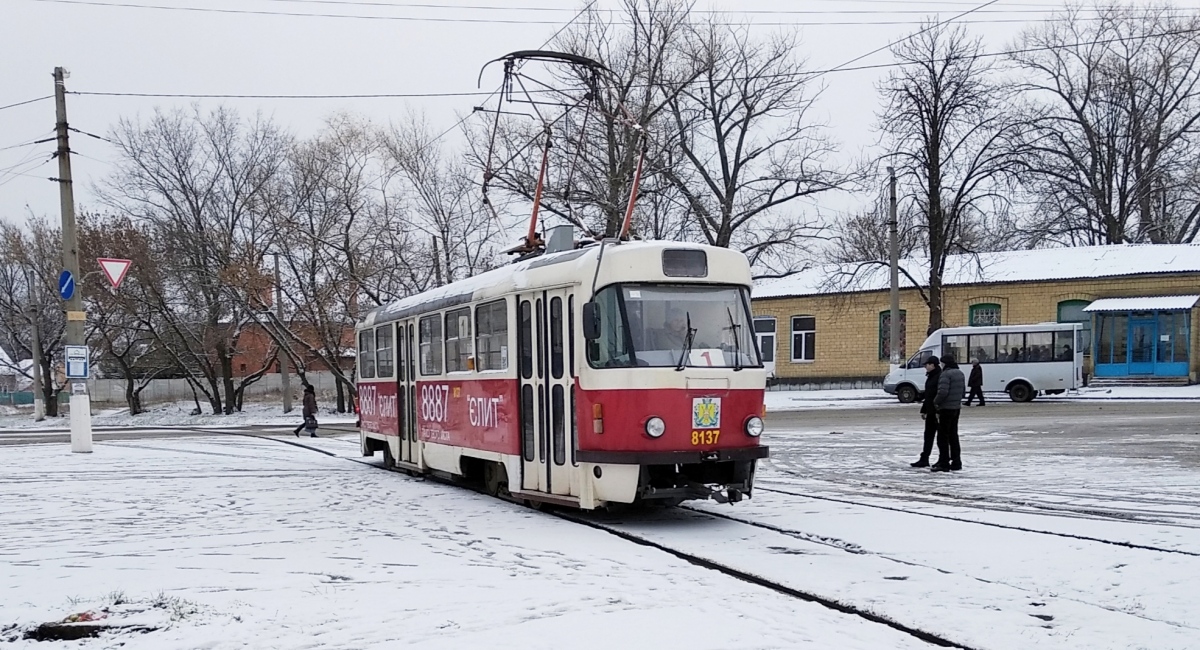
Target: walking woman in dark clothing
[928, 412]
[309, 413]
[975, 383]
[951, 389]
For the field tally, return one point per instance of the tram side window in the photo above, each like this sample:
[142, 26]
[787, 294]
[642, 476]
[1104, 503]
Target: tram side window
[430, 336]
[366, 354]
[491, 336]
[383, 350]
[458, 340]
[612, 349]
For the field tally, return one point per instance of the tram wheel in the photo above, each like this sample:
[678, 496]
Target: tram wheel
[389, 461]
[495, 479]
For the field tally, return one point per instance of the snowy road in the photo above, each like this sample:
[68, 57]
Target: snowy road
[280, 547]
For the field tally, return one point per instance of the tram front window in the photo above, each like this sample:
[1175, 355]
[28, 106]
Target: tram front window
[673, 326]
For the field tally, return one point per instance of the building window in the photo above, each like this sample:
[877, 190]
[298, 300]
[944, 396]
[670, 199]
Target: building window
[383, 350]
[885, 334]
[458, 340]
[986, 314]
[430, 336]
[764, 330]
[1071, 311]
[491, 336]
[804, 338]
[366, 354]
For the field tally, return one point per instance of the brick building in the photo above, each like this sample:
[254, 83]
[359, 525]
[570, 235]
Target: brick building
[255, 345]
[831, 324]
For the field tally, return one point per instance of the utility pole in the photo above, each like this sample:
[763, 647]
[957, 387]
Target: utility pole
[284, 378]
[39, 396]
[81, 403]
[894, 254]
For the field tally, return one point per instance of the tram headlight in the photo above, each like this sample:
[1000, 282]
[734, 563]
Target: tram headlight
[655, 427]
[754, 426]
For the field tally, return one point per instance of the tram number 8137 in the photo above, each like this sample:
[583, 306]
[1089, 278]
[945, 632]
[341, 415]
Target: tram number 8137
[706, 437]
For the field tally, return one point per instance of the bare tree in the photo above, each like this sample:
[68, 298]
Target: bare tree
[1114, 99]
[198, 184]
[446, 206]
[30, 255]
[945, 118]
[334, 230]
[748, 143]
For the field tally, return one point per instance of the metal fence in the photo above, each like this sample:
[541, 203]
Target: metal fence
[112, 391]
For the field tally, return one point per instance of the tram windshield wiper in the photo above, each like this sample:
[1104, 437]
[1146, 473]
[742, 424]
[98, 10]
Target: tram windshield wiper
[687, 343]
[737, 345]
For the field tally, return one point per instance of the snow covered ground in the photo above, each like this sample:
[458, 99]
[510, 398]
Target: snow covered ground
[1054, 536]
[178, 414]
[261, 545]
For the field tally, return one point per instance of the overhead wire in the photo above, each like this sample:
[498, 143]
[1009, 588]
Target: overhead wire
[844, 67]
[27, 101]
[1044, 7]
[443, 19]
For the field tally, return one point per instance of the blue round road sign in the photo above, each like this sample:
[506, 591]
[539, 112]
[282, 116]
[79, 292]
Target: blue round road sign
[66, 285]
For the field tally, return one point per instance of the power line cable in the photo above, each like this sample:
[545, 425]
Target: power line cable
[26, 144]
[27, 101]
[842, 68]
[1033, 8]
[495, 21]
[91, 135]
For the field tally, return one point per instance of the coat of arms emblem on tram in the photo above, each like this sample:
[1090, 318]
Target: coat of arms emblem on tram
[706, 413]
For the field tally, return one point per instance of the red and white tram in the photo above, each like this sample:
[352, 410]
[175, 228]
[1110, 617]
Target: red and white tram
[614, 373]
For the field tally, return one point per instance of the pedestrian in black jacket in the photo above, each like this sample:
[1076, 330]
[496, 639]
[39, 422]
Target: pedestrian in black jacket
[975, 383]
[309, 413]
[933, 371]
[951, 388]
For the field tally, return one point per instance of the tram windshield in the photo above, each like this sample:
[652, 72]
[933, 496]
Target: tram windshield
[662, 325]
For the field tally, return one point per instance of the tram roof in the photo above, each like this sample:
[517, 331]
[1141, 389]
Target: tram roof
[568, 267]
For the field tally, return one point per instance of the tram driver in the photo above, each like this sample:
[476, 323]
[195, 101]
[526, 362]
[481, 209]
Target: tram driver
[673, 334]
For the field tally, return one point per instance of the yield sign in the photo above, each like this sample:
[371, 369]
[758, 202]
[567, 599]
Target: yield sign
[114, 269]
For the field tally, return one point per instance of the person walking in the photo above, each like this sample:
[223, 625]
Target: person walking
[975, 383]
[933, 371]
[951, 387]
[309, 412]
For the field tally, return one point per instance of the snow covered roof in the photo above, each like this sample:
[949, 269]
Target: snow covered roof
[1151, 303]
[985, 268]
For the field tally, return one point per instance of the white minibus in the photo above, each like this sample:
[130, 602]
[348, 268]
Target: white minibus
[1021, 360]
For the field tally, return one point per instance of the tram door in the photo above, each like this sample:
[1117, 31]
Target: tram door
[407, 390]
[545, 368]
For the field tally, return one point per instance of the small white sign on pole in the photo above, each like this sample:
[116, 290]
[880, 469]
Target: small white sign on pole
[77, 361]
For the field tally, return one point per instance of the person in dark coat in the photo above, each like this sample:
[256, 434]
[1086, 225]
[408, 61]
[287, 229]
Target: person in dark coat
[975, 383]
[951, 388]
[928, 413]
[309, 412]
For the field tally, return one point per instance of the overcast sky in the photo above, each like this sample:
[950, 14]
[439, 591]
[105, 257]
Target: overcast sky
[144, 49]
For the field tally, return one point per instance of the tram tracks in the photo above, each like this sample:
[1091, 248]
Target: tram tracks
[845, 596]
[692, 558]
[1023, 529]
[1001, 504]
